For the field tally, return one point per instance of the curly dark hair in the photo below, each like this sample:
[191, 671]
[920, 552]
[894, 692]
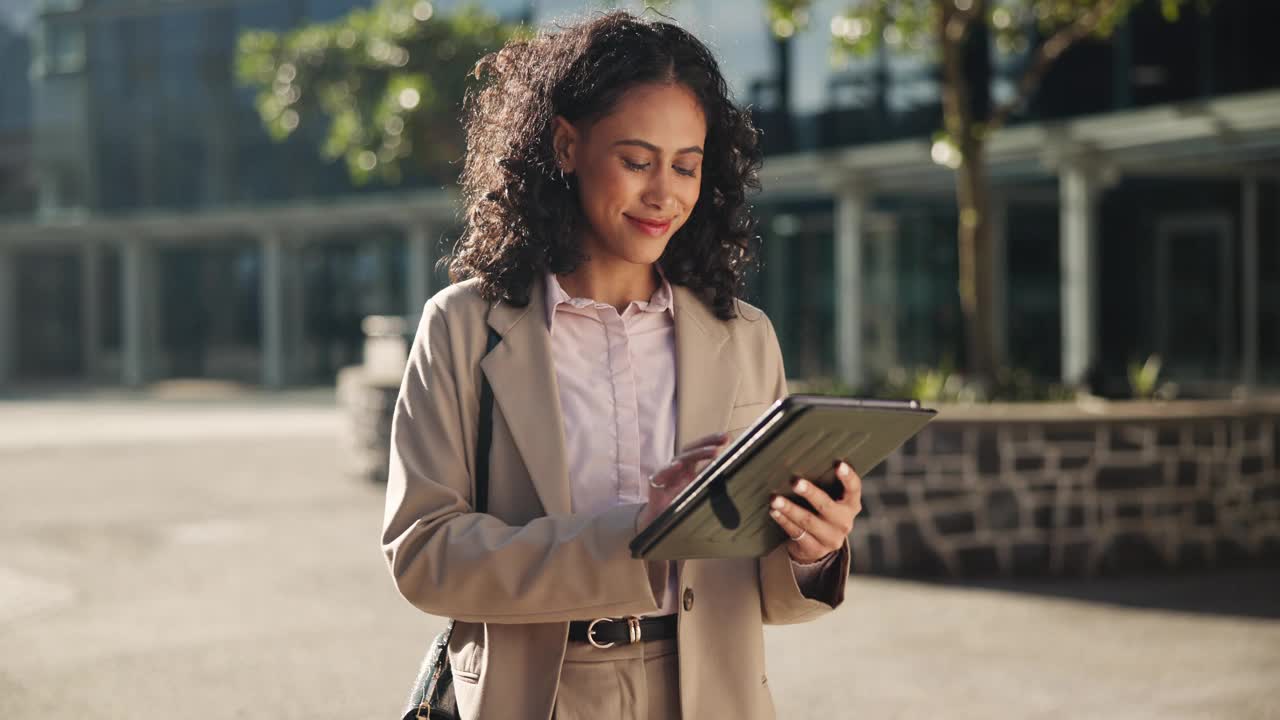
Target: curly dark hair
[522, 217]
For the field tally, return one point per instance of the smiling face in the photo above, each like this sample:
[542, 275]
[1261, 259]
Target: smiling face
[639, 171]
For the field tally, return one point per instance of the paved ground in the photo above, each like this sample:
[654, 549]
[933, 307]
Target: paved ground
[207, 559]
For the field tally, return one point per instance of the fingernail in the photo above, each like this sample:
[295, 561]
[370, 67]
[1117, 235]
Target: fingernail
[802, 486]
[843, 470]
[779, 503]
[776, 515]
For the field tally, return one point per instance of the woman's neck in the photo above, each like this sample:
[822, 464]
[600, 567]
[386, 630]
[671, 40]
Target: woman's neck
[617, 284]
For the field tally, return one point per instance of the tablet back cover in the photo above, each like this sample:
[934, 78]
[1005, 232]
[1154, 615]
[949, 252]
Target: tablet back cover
[729, 515]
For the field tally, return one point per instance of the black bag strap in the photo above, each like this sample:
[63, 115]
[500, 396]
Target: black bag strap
[484, 440]
[435, 666]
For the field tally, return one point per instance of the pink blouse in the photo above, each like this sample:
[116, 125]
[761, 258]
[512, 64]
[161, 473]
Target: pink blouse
[617, 383]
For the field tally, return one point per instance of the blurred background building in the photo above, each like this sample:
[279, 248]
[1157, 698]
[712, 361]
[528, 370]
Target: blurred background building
[151, 229]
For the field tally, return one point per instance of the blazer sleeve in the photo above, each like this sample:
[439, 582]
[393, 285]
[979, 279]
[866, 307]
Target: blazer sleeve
[781, 600]
[450, 561]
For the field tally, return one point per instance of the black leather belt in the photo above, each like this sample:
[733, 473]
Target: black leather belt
[607, 632]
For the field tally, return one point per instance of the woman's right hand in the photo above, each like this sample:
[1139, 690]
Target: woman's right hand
[675, 476]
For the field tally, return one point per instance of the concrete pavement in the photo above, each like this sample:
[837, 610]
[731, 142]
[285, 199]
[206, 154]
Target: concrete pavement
[210, 560]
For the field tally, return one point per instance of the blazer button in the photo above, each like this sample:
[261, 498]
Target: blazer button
[688, 599]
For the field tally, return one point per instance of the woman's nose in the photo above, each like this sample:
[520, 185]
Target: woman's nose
[658, 193]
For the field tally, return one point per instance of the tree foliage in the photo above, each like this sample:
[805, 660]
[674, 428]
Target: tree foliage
[384, 85]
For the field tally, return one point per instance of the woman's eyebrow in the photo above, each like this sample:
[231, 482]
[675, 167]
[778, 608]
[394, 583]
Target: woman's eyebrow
[654, 148]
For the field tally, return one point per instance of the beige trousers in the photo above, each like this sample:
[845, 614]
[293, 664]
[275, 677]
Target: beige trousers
[624, 682]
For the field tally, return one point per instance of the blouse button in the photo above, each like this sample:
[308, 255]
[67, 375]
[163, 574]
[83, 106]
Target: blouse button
[688, 599]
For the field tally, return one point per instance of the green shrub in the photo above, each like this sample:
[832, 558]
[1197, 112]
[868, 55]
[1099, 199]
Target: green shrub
[944, 384]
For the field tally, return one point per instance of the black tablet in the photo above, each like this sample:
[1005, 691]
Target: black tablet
[724, 512]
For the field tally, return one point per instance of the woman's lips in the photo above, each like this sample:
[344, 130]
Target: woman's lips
[654, 228]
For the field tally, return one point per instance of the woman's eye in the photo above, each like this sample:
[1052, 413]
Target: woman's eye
[637, 167]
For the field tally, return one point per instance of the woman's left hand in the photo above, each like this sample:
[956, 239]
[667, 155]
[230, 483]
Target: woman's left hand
[815, 535]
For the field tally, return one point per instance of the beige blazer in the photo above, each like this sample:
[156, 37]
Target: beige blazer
[513, 578]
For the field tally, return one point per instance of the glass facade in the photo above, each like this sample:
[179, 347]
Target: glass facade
[1172, 278]
[169, 128]
[139, 112]
[48, 342]
[344, 279]
[133, 109]
[1034, 301]
[1269, 287]
[207, 306]
[17, 189]
[796, 284]
[173, 130]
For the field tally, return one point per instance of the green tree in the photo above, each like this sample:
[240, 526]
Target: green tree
[1048, 28]
[386, 83]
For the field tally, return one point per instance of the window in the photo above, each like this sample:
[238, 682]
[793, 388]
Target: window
[61, 48]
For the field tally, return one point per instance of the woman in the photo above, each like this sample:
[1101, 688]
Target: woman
[607, 230]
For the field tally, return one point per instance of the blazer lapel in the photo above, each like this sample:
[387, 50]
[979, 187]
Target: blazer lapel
[521, 371]
[706, 379]
[706, 374]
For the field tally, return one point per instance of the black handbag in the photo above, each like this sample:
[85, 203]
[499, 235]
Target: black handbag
[432, 695]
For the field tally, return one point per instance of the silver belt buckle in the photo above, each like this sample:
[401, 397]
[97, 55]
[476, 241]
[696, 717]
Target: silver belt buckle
[591, 633]
[633, 631]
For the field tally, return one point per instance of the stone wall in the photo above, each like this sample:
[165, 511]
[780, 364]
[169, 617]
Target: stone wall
[1018, 489]
[1060, 490]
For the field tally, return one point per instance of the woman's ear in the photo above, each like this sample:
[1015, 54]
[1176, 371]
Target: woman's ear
[564, 144]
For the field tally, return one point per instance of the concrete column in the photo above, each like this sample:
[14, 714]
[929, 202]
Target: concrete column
[1078, 191]
[880, 293]
[299, 355]
[1249, 286]
[999, 274]
[777, 272]
[8, 317]
[850, 226]
[137, 293]
[418, 273]
[90, 309]
[271, 306]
